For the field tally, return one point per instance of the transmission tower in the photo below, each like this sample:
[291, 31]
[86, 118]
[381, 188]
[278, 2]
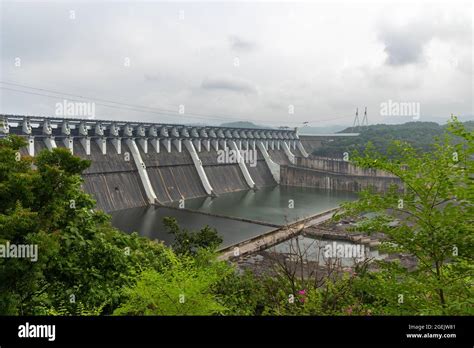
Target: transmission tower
[356, 119]
[365, 120]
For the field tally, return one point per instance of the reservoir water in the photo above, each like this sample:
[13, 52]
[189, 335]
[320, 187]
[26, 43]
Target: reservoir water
[314, 249]
[275, 205]
[148, 222]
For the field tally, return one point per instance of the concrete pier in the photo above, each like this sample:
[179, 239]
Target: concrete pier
[274, 237]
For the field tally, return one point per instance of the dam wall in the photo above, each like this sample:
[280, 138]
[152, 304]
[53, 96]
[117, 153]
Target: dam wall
[279, 157]
[306, 177]
[339, 166]
[112, 179]
[223, 177]
[136, 163]
[311, 143]
[172, 175]
[260, 173]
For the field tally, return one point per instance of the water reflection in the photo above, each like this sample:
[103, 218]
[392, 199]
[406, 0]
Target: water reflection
[277, 204]
[148, 222]
[322, 250]
[269, 204]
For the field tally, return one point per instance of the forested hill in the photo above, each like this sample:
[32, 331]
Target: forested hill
[420, 134]
[242, 124]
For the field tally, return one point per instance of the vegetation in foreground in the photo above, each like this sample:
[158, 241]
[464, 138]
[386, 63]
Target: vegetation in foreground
[86, 267]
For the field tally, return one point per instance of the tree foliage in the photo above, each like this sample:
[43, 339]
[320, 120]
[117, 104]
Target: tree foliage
[431, 218]
[189, 243]
[83, 262]
[184, 288]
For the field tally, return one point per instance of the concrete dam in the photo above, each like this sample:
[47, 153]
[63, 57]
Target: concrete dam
[135, 164]
[243, 182]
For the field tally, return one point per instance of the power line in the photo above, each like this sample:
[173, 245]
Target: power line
[140, 108]
[82, 97]
[134, 107]
[55, 97]
[131, 107]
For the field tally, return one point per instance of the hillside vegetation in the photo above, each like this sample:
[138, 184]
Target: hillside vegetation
[243, 124]
[420, 135]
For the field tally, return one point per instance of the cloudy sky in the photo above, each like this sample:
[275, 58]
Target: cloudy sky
[271, 63]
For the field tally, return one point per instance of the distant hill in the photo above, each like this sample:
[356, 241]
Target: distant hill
[469, 125]
[243, 124]
[301, 130]
[320, 130]
[399, 129]
[420, 135]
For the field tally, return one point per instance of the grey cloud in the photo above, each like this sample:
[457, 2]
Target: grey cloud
[405, 45]
[229, 83]
[170, 59]
[239, 44]
[156, 77]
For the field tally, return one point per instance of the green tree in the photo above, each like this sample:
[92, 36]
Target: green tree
[430, 217]
[83, 263]
[242, 293]
[186, 242]
[184, 288]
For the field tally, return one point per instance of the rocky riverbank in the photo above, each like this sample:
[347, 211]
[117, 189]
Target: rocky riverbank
[295, 255]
